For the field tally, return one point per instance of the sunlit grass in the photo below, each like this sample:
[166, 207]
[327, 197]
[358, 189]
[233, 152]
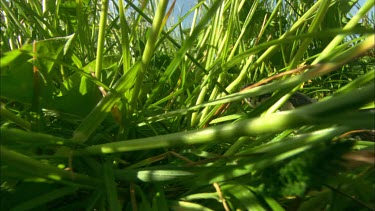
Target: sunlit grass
[134, 112]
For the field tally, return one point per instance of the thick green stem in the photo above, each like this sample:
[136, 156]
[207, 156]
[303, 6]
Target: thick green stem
[157, 27]
[318, 113]
[101, 39]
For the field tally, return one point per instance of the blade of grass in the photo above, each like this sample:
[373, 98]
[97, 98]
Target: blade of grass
[16, 136]
[268, 124]
[110, 185]
[101, 39]
[155, 30]
[125, 42]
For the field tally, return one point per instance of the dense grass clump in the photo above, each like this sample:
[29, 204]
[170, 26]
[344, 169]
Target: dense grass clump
[117, 105]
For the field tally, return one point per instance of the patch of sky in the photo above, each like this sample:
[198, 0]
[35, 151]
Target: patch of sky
[181, 8]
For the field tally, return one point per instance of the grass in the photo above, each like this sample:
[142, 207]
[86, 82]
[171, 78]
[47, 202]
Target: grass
[108, 106]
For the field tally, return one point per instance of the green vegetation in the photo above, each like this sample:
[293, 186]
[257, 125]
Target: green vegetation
[108, 105]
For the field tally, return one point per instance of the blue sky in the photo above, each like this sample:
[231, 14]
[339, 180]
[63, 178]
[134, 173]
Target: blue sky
[181, 8]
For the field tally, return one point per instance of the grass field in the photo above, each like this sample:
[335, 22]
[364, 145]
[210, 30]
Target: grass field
[105, 106]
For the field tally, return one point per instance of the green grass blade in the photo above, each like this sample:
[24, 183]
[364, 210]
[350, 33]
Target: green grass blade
[155, 30]
[110, 185]
[125, 41]
[261, 125]
[101, 38]
[16, 136]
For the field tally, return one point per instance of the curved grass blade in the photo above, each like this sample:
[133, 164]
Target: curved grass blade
[267, 124]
